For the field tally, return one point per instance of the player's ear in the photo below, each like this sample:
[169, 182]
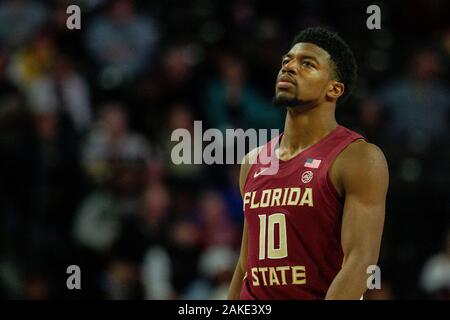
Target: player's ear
[335, 89]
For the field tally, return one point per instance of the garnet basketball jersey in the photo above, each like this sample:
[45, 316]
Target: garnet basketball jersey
[294, 222]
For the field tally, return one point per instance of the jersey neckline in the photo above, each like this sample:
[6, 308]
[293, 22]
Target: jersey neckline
[307, 150]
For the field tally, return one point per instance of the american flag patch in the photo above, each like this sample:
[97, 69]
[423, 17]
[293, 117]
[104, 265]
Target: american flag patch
[312, 163]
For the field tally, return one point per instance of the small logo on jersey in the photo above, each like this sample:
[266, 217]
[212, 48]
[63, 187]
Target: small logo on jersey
[259, 172]
[307, 176]
[312, 163]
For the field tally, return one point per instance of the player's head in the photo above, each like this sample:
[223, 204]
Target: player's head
[319, 67]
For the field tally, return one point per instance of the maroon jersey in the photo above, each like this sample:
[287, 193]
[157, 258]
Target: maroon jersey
[294, 223]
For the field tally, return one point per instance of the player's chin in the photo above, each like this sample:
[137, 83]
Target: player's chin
[284, 94]
[283, 100]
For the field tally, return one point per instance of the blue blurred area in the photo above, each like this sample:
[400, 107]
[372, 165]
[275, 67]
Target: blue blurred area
[85, 123]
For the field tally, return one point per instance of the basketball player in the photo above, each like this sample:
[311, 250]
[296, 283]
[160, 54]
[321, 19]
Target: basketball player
[312, 229]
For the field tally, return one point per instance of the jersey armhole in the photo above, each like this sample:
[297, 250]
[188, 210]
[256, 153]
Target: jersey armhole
[329, 181]
[255, 161]
[251, 166]
[246, 178]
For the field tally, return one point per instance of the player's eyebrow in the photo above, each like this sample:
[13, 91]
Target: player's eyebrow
[290, 55]
[287, 55]
[310, 57]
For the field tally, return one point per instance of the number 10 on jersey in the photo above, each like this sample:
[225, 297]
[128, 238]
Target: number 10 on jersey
[267, 224]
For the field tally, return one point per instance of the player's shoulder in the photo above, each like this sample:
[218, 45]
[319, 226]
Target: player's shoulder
[251, 156]
[362, 159]
[357, 163]
[361, 151]
[249, 159]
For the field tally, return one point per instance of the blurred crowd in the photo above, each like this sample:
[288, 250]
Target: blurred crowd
[86, 176]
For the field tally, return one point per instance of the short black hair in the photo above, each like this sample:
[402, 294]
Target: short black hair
[340, 53]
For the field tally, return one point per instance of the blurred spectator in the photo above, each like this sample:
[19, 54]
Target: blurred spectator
[216, 268]
[57, 186]
[177, 74]
[100, 217]
[173, 80]
[122, 42]
[34, 60]
[370, 121]
[19, 19]
[7, 87]
[97, 223]
[184, 251]
[57, 149]
[418, 103]
[435, 278]
[231, 193]
[156, 274]
[97, 228]
[111, 139]
[148, 226]
[64, 91]
[230, 102]
[123, 281]
[216, 226]
[181, 118]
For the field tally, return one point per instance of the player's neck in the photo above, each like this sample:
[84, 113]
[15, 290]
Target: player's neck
[305, 128]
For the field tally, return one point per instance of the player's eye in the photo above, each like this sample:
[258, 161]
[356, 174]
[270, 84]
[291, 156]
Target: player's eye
[307, 64]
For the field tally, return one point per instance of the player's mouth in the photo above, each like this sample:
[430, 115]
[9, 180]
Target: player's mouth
[284, 84]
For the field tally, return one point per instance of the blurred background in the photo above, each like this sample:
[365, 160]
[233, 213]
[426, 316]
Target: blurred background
[85, 123]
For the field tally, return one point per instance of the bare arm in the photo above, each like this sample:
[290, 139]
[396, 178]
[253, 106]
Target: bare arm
[363, 176]
[239, 273]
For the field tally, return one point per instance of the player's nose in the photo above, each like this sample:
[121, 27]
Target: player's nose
[288, 68]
